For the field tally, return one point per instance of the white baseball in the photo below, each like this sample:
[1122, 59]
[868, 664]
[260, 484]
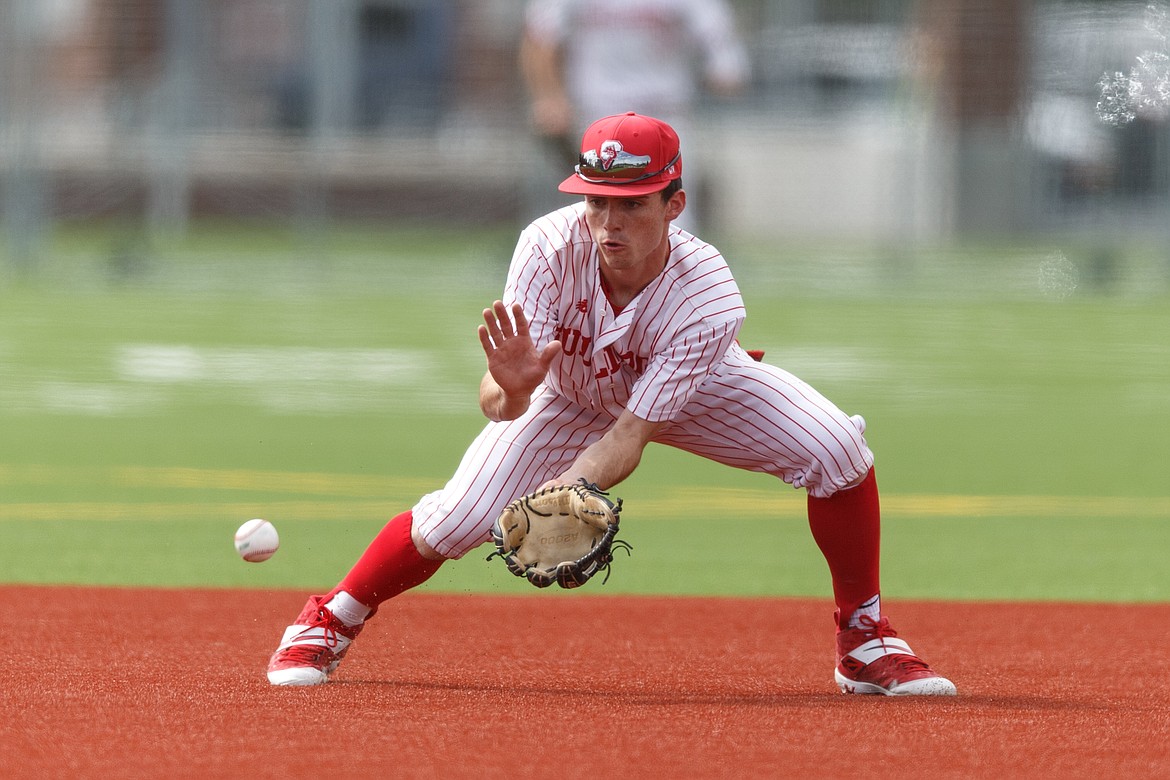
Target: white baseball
[257, 540]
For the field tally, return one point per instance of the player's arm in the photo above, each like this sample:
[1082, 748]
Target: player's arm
[496, 404]
[543, 71]
[515, 367]
[725, 61]
[615, 455]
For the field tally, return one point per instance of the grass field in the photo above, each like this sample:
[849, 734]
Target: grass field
[149, 406]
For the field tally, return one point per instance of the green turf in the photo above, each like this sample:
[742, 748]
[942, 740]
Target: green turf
[146, 411]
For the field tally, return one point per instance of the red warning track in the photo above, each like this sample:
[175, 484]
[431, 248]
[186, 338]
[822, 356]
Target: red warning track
[161, 683]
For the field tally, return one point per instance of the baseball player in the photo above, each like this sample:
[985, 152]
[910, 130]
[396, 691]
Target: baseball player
[582, 59]
[616, 329]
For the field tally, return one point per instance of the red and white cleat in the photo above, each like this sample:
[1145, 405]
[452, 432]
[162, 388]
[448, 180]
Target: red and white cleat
[312, 647]
[872, 660]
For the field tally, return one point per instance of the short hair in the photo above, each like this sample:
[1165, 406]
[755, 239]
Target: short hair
[674, 186]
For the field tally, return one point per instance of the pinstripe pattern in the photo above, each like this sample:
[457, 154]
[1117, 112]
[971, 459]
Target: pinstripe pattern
[670, 355]
[649, 356]
[506, 460]
[758, 417]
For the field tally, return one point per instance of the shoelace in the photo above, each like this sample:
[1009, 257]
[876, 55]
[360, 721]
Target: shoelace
[302, 655]
[328, 626]
[880, 629]
[910, 663]
[308, 654]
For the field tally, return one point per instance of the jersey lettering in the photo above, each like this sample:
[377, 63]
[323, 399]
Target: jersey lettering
[574, 343]
[614, 361]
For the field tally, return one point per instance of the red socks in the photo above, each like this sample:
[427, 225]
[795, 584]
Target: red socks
[847, 528]
[389, 566]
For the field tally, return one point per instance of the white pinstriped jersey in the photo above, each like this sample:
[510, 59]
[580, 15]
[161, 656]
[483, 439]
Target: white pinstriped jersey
[670, 355]
[652, 355]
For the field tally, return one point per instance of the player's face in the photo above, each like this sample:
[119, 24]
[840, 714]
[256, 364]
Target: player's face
[631, 232]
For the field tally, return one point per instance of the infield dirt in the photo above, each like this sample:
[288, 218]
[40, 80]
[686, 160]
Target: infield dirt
[170, 683]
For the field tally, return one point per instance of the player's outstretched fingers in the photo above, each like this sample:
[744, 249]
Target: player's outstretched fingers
[492, 327]
[486, 340]
[521, 320]
[505, 322]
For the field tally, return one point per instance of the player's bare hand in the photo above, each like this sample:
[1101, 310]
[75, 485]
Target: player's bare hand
[513, 360]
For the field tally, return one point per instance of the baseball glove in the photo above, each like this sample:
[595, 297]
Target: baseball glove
[563, 534]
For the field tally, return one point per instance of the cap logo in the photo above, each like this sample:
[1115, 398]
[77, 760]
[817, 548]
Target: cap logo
[619, 172]
[610, 158]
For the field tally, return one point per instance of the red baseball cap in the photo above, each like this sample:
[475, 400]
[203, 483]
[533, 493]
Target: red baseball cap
[625, 156]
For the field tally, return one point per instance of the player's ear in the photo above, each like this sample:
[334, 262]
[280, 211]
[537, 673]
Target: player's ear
[676, 204]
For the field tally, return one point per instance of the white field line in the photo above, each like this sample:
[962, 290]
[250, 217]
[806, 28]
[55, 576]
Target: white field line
[148, 379]
[353, 496]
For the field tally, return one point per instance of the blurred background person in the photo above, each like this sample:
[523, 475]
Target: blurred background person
[582, 59]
